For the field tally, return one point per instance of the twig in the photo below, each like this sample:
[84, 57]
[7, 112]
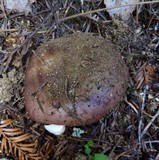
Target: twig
[150, 123]
[142, 115]
[103, 9]
[131, 105]
[122, 154]
[39, 58]
[138, 11]
[117, 143]
[8, 30]
[3, 8]
[155, 141]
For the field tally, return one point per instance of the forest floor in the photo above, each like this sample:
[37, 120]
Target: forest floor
[128, 132]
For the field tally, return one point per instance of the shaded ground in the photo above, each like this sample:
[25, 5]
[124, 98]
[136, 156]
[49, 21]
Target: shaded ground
[128, 132]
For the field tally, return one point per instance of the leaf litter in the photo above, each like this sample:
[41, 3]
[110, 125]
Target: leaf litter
[128, 132]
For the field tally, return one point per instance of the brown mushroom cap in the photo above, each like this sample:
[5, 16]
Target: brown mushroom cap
[74, 80]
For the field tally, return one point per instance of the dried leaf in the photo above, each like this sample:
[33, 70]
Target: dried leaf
[20, 138]
[13, 133]
[31, 150]
[15, 150]
[10, 147]
[34, 156]
[5, 123]
[27, 145]
[11, 129]
[150, 74]
[4, 145]
[16, 142]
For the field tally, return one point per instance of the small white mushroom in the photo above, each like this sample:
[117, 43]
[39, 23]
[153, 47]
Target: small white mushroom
[55, 129]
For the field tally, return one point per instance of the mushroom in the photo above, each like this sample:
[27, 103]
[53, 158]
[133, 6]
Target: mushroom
[55, 129]
[74, 80]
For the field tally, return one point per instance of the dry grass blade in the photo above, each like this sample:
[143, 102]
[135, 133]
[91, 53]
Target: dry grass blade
[16, 142]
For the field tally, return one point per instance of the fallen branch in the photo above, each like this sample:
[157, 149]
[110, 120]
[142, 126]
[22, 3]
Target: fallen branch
[103, 9]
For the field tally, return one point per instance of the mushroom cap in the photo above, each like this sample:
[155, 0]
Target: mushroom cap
[74, 80]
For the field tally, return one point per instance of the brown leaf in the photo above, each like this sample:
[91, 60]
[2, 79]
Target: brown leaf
[20, 138]
[150, 74]
[10, 147]
[34, 156]
[5, 123]
[11, 129]
[26, 145]
[18, 143]
[31, 150]
[4, 144]
[13, 133]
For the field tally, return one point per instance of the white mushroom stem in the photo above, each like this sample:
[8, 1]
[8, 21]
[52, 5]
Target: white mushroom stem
[55, 129]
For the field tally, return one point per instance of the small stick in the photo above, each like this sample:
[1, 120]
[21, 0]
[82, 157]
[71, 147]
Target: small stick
[150, 123]
[117, 143]
[103, 9]
[39, 58]
[142, 115]
[131, 105]
[155, 141]
[8, 30]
